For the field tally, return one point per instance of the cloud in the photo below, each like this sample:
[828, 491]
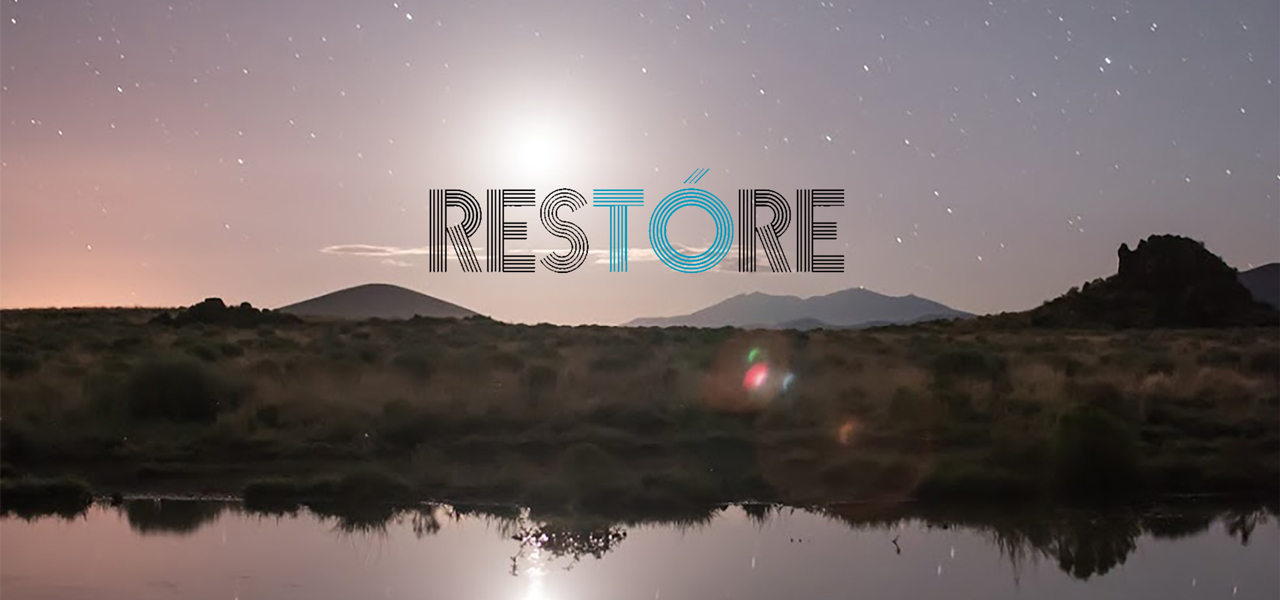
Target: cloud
[389, 254]
[369, 250]
[373, 251]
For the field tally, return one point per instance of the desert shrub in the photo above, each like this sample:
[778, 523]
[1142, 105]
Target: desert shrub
[957, 480]
[1265, 362]
[362, 485]
[622, 357]
[401, 426]
[1067, 364]
[202, 351]
[539, 380]
[267, 369]
[1095, 454]
[267, 416]
[585, 464]
[968, 364]
[416, 364]
[17, 356]
[1220, 357]
[230, 350]
[178, 390]
[1160, 365]
[128, 342]
[1106, 397]
[506, 361]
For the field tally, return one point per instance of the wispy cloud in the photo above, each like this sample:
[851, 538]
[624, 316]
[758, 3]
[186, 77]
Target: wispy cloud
[373, 251]
[370, 250]
[389, 254]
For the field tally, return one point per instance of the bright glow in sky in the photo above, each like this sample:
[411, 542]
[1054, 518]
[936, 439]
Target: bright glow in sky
[994, 153]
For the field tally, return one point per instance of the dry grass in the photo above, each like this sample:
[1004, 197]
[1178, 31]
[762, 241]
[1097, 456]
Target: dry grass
[901, 411]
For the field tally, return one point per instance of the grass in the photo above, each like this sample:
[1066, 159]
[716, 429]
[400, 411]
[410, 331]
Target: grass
[592, 417]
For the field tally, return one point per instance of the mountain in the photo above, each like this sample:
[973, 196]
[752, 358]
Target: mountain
[1167, 281]
[848, 308]
[377, 300]
[1264, 283]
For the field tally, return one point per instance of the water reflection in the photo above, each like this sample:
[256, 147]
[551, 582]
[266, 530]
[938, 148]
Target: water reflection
[171, 517]
[1083, 545]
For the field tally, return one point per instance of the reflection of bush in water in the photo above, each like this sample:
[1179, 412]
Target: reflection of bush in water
[1083, 543]
[32, 497]
[1087, 545]
[573, 540]
[176, 517]
[760, 512]
[362, 518]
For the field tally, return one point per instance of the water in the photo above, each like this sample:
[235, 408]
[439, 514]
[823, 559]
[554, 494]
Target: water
[193, 549]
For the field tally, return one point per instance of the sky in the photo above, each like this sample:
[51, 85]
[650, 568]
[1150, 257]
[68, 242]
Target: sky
[993, 153]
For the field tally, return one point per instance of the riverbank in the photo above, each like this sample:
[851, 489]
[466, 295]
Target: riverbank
[590, 417]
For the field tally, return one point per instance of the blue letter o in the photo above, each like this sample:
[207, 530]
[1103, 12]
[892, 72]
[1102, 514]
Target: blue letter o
[658, 230]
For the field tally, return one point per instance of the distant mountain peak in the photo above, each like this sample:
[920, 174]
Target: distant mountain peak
[377, 300]
[1264, 283]
[852, 307]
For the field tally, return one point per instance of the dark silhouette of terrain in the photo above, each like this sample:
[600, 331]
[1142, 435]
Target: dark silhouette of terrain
[377, 300]
[213, 311]
[1166, 281]
[854, 307]
[1264, 283]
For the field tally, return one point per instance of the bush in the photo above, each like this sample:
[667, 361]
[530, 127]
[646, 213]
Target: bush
[182, 391]
[1096, 454]
[359, 486]
[965, 481]
[539, 379]
[585, 466]
[1265, 362]
[502, 360]
[968, 364]
[416, 365]
[17, 356]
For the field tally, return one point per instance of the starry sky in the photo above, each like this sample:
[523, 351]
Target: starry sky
[994, 152]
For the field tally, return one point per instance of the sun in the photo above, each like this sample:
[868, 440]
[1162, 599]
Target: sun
[537, 149]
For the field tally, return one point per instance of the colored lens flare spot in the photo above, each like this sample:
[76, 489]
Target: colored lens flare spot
[756, 376]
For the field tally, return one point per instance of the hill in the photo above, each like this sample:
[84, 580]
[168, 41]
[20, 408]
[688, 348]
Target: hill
[377, 300]
[1264, 283]
[853, 307]
[1168, 281]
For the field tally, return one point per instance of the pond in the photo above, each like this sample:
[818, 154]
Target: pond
[150, 548]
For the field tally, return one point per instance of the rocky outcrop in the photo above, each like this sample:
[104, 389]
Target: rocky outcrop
[213, 311]
[1166, 281]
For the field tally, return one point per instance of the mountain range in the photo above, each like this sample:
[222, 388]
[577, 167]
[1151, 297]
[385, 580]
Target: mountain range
[854, 307]
[1264, 283]
[1152, 288]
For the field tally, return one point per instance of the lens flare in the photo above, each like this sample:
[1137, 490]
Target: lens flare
[787, 380]
[756, 376]
[753, 355]
[847, 431]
